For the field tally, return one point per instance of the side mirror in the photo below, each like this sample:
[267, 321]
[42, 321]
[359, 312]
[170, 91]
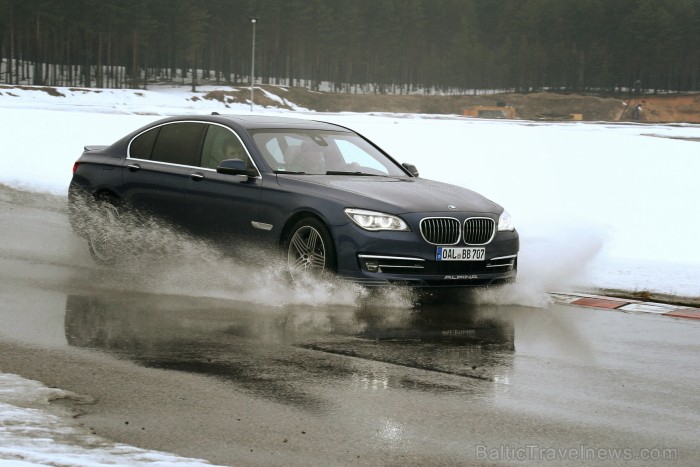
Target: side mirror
[232, 167]
[411, 169]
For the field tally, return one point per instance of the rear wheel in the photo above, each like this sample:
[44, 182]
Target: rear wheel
[310, 250]
[105, 232]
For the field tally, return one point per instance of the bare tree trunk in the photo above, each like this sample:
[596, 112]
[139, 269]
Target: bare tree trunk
[194, 71]
[134, 56]
[11, 55]
[99, 80]
[37, 78]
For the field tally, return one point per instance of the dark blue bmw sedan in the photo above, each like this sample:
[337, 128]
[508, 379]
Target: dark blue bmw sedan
[328, 198]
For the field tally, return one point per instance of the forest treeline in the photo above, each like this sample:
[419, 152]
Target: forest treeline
[376, 45]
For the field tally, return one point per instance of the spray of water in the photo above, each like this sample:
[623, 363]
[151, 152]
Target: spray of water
[156, 257]
[153, 256]
[547, 264]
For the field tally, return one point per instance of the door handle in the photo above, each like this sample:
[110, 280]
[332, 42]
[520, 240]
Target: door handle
[197, 177]
[133, 167]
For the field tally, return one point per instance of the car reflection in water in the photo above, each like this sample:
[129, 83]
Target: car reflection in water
[265, 350]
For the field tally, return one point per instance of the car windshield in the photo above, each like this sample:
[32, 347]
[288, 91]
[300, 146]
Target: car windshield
[315, 152]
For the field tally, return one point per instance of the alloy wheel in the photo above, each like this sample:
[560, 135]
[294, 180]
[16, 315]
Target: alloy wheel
[306, 253]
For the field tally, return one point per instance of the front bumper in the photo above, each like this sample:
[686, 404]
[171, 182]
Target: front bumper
[386, 258]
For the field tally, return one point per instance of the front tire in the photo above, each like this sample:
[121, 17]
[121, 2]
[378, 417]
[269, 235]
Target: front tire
[310, 250]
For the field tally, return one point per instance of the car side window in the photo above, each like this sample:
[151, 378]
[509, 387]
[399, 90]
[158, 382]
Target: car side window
[221, 143]
[178, 143]
[142, 146]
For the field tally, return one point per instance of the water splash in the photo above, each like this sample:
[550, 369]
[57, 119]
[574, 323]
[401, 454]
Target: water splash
[154, 256]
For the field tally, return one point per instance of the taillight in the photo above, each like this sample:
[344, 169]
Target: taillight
[75, 166]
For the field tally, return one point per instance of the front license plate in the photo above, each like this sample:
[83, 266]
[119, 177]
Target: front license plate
[460, 254]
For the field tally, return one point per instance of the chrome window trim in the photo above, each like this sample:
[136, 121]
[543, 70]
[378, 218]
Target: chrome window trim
[493, 233]
[128, 147]
[459, 237]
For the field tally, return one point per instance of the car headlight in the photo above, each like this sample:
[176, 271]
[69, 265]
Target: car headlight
[505, 222]
[372, 220]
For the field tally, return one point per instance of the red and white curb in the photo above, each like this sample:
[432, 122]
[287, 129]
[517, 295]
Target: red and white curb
[623, 304]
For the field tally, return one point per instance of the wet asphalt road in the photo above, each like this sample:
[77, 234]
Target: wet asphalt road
[325, 382]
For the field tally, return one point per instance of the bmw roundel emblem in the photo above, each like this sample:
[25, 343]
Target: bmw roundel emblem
[452, 206]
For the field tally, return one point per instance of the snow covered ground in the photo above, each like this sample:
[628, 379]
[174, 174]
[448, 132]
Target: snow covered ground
[596, 204]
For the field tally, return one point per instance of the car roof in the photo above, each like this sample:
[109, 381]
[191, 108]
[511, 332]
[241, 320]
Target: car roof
[255, 122]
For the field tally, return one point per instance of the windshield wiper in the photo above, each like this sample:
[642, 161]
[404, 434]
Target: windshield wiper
[340, 172]
[289, 172]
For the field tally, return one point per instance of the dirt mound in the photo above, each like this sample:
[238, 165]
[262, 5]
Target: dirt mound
[531, 106]
[676, 108]
[242, 96]
[528, 106]
[552, 106]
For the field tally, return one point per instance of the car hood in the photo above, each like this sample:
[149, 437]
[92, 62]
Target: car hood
[393, 194]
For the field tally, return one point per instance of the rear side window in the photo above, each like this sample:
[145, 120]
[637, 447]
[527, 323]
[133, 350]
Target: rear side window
[178, 143]
[142, 146]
